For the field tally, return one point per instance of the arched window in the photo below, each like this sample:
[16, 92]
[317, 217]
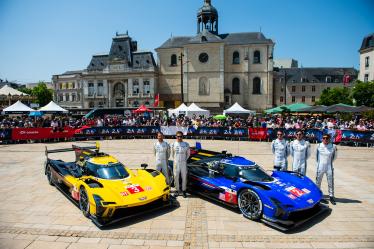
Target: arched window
[119, 90]
[173, 60]
[256, 57]
[236, 58]
[235, 86]
[204, 86]
[256, 85]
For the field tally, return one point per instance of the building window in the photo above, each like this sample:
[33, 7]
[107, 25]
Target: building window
[147, 103]
[293, 89]
[100, 89]
[227, 100]
[60, 98]
[73, 85]
[367, 61]
[235, 86]
[173, 60]
[73, 97]
[313, 88]
[313, 99]
[67, 97]
[146, 87]
[328, 79]
[60, 86]
[203, 86]
[256, 57]
[303, 88]
[281, 99]
[136, 103]
[256, 85]
[366, 77]
[293, 99]
[281, 80]
[236, 58]
[78, 97]
[135, 87]
[118, 90]
[303, 99]
[91, 104]
[91, 89]
[282, 89]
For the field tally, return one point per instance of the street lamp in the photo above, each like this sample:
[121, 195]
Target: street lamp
[180, 57]
[285, 87]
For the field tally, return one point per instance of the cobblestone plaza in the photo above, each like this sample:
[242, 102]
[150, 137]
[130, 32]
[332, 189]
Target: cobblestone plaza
[34, 214]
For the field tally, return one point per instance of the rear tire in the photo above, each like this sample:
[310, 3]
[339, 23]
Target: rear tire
[250, 204]
[84, 204]
[48, 172]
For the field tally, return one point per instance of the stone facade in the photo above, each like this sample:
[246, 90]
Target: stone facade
[218, 69]
[125, 77]
[305, 85]
[367, 59]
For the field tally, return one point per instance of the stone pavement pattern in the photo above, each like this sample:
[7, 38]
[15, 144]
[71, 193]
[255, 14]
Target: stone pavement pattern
[35, 215]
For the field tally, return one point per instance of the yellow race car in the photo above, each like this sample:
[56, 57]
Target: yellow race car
[103, 188]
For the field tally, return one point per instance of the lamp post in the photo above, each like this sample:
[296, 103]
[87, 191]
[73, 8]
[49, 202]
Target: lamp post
[181, 62]
[285, 87]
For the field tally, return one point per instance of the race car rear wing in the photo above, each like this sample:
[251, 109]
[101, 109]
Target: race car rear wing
[79, 150]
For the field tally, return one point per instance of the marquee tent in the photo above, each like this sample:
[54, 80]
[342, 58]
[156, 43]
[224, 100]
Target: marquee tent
[52, 107]
[237, 109]
[7, 90]
[182, 109]
[193, 109]
[18, 108]
[142, 109]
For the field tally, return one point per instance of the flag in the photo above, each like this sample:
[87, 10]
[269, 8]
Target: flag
[346, 79]
[157, 100]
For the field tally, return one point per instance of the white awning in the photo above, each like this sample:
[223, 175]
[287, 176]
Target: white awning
[182, 109]
[52, 107]
[193, 109]
[238, 109]
[18, 108]
[7, 90]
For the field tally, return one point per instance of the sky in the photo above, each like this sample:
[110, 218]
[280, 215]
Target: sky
[40, 38]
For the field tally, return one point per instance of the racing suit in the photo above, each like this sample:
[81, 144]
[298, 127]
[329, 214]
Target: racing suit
[181, 152]
[325, 155]
[162, 153]
[300, 151]
[280, 150]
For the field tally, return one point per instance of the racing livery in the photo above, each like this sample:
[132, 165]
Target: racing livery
[103, 188]
[281, 199]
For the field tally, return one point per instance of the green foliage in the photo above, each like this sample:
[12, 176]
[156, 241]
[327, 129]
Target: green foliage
[368, 115]
[42, 93]
[334, 96]
[25, 90]
[363, 93]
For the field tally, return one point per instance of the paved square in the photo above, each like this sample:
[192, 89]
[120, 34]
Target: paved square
[35, 215]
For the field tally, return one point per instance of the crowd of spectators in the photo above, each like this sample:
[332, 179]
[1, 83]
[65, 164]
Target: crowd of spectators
[267, 121]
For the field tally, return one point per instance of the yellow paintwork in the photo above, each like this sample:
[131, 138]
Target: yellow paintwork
[117, 191]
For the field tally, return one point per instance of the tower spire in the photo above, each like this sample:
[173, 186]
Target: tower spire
[207, 18]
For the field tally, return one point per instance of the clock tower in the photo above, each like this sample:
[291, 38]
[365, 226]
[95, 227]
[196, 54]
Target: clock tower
[207, 18]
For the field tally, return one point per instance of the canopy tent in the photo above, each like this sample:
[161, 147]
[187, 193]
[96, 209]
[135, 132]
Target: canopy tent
[317, 108]
[36, 114]
[10, 91]
[142, 109]
[296, 107]
[193, 109]
[52, 107]
[18, 108]
[182, 109]
[237, 109]
[340, 108]
[277, 109]
[363, 108]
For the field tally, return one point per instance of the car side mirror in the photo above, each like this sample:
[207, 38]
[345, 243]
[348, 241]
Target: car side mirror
[144, 165]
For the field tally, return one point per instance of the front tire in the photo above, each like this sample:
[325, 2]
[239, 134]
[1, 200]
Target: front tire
[84, 204]
[48, 172]
[250, 204]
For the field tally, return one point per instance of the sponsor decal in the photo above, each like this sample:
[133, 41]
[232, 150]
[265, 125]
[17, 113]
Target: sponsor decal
[268, 207]
[124, 193]
[143, 198]
[75, 194]
[148, 188]
[135, 188]
[310, 201]
[291, 196]
[306, 191]
[229, 196]
[295, 191]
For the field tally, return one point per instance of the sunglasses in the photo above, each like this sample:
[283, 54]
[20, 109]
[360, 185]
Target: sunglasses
[279, 134]
[299, 134]
[325, 138]
[179, 136]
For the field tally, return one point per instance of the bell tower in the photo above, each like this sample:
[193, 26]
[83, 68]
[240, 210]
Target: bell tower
[207, 18]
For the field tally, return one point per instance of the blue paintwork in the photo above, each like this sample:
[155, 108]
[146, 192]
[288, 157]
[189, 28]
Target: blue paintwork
[276, 197]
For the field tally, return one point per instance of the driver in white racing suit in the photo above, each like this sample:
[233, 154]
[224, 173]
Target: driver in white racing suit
[280, 149]
[300, 151]
[180, 152]
[326, 153]
[161, 150]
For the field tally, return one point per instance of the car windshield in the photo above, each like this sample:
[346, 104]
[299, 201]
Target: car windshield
[254, 173]
[110, 171]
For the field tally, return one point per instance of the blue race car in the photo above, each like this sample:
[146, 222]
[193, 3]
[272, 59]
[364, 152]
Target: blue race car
[281, 199]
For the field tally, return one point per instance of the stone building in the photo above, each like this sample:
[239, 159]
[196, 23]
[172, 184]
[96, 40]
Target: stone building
[367, 59]
[125, 77]
[216, 70]
[305, 85]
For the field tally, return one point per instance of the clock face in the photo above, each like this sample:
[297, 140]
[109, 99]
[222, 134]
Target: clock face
[203, 57]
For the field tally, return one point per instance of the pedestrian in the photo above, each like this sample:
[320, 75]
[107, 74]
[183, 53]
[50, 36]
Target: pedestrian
[300, 152]
[326, 153]
[161, 149]
[280, 150]
[181, 153]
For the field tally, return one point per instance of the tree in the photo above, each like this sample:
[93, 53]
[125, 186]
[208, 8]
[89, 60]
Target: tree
[25, 90]
[336, 95]
[363, 93]
[42, 93]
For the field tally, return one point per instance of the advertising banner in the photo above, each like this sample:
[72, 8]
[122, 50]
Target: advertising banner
[40, 133]
[257, 133]
[172, 130]
[5, 134]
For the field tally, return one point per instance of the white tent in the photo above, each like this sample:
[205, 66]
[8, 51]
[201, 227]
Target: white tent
[18, 108]
[7, 90]
[182, 109]
[193, 109]
[237, 109]
[52, 107]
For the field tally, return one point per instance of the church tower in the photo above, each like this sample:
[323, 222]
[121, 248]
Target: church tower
[207, 18]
